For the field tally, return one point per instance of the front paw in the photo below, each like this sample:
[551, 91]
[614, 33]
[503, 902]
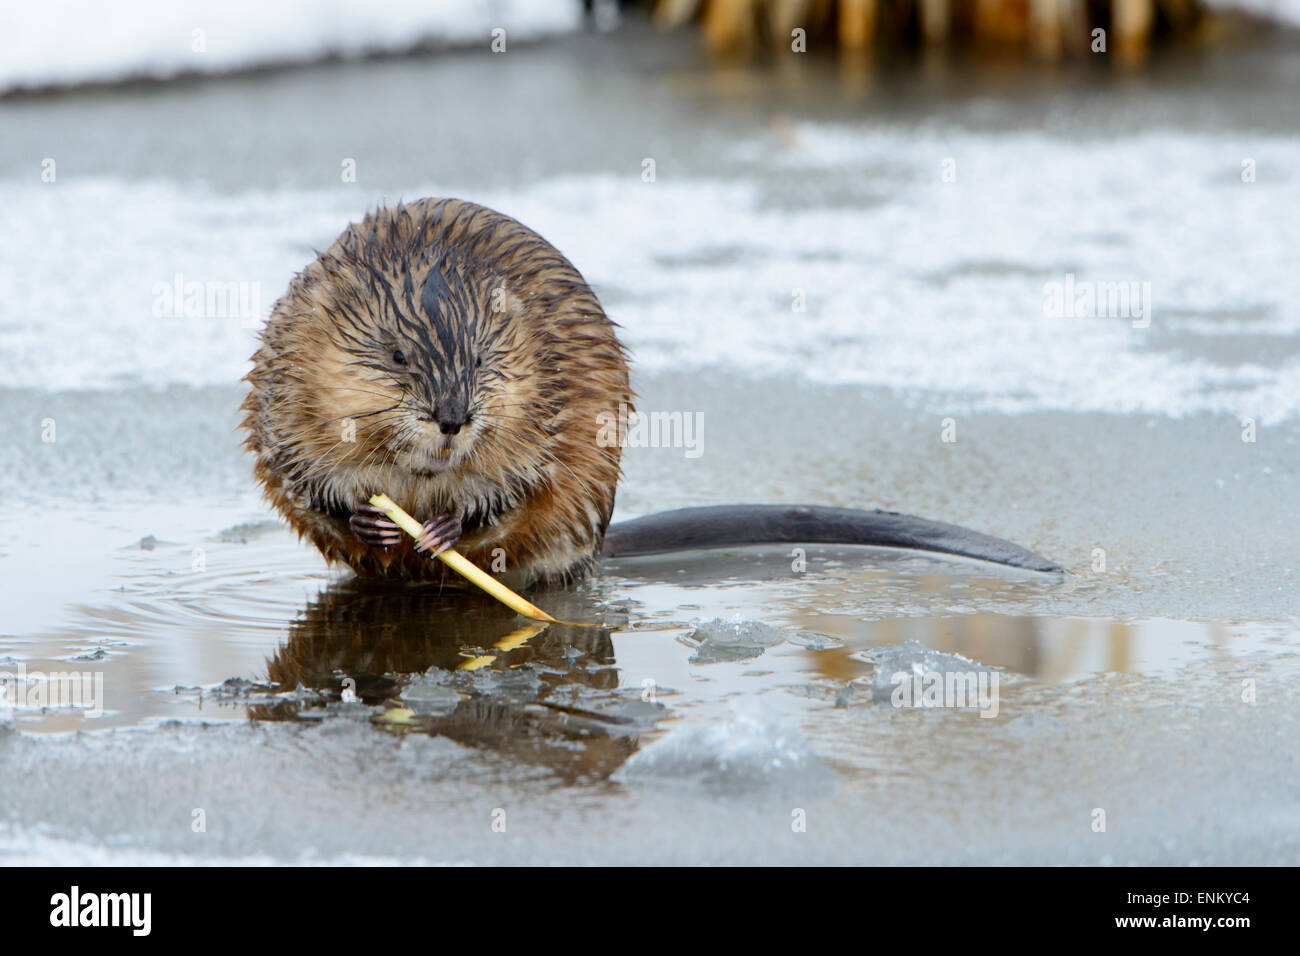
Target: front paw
[440, 534]
[373, 527]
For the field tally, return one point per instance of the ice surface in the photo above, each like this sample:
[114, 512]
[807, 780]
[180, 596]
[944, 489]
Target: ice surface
[1208, 783]
[75, 41]
[755, 749]
[816, 642]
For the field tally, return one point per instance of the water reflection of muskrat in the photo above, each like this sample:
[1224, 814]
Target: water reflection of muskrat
[371, 630]
[370, 636]
[450, 357]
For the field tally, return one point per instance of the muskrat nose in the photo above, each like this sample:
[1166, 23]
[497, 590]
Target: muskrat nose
[451, 416]
[450, 425]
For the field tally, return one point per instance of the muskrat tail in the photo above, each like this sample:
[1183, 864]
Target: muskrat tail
[721, 526]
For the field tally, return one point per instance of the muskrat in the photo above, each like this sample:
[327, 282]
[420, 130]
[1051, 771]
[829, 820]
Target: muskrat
[449, 356]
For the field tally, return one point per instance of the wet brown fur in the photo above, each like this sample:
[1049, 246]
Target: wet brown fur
[528, 473]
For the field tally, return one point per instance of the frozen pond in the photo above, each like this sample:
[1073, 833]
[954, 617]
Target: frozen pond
[835, 273]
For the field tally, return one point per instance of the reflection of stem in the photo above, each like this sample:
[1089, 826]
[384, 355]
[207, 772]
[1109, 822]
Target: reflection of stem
[458, 563]
[517, 638]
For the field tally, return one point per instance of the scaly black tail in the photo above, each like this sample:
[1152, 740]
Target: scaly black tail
[721, 526]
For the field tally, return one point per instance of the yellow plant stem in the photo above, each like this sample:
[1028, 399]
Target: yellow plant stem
[458, 563]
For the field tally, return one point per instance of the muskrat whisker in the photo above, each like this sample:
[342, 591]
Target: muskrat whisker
[497, 416]
[342, 418]
[378, 411]
[348, 388]
[515, 405]
[379, 446]
[324, 463]
[324, 455]
[341, 441]
[611, 455]
[345, 417]
[550, 456]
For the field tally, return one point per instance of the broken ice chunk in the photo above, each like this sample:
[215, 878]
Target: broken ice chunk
[756, 749]
[717, 640]
[913, 675]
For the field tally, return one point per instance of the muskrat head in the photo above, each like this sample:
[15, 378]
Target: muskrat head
[424, 366]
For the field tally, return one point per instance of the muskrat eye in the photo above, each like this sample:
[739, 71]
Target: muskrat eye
[399, 358]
